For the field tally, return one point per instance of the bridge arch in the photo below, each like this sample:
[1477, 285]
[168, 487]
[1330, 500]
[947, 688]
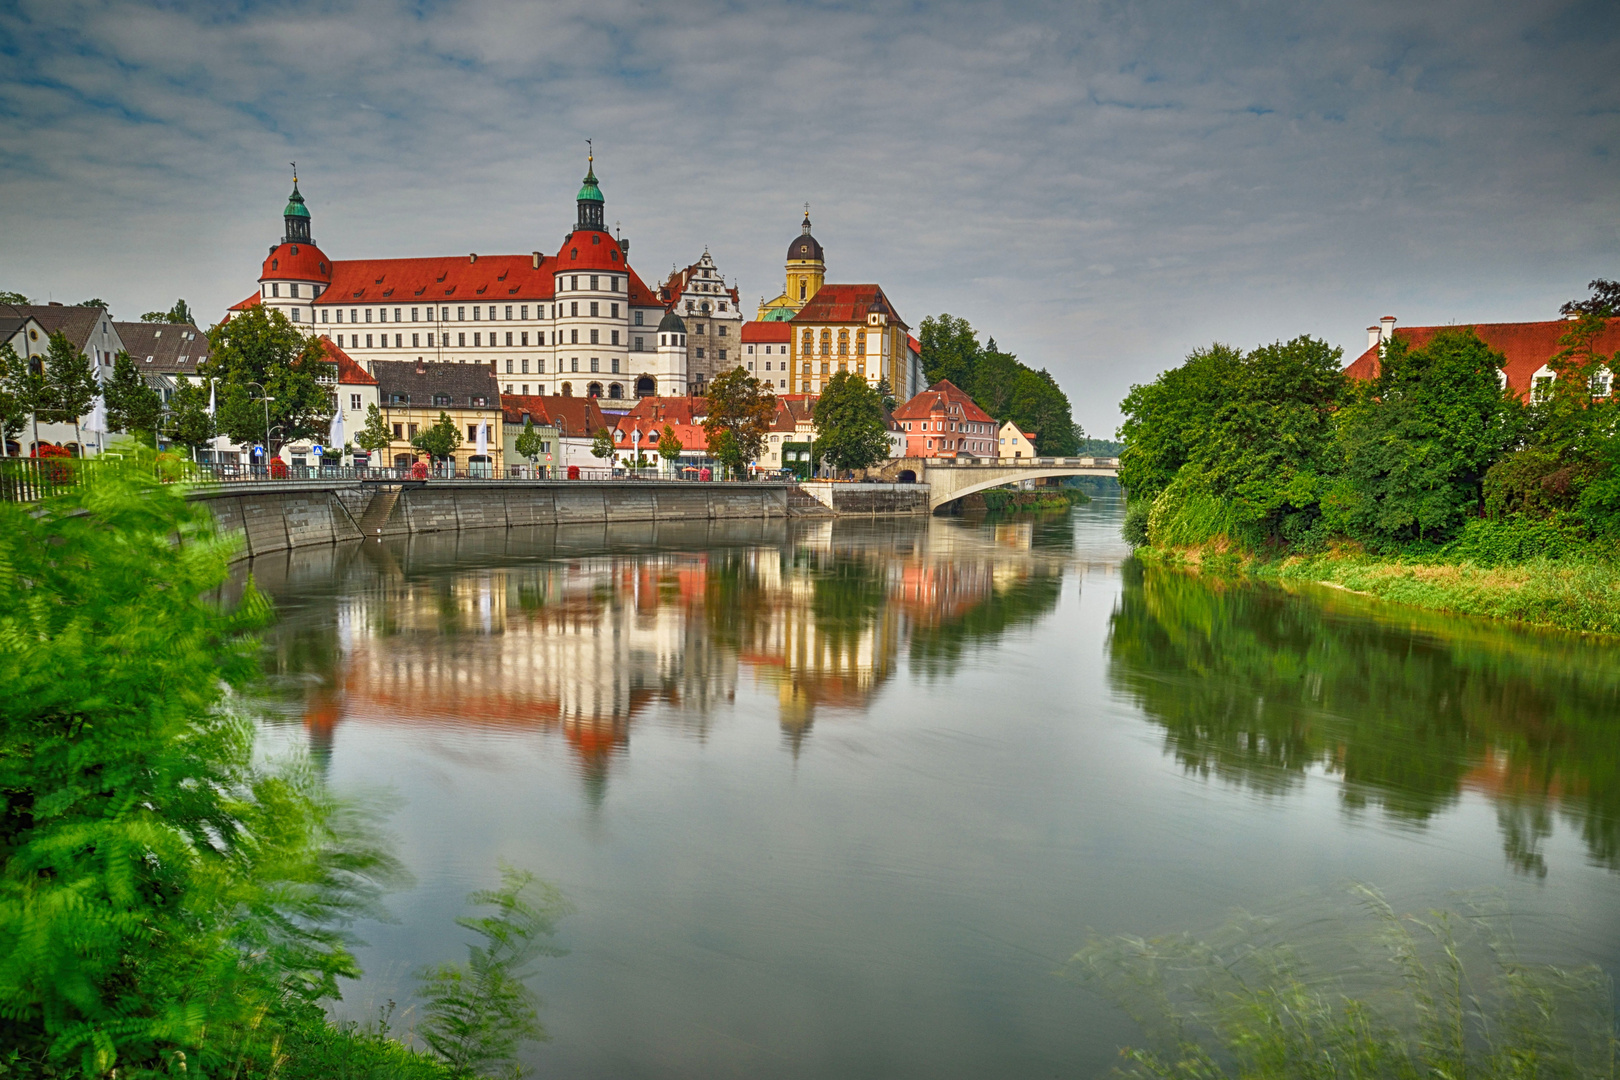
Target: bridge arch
[947, 485]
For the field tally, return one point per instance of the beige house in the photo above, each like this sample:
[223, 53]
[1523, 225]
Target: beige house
[1015, 443]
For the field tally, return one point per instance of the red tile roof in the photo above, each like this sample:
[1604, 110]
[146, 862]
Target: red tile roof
[691, 436]
[668, 410]
[296, 262]
[590, 249]
[349, 372]
[251, 302]
[845, 303]
[1527, 346]
[940, 398]
[916, 346]
[440, 280]
[766, 332]
[575, 417]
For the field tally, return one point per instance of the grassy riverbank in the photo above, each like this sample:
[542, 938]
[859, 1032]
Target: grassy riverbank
[1577, 591]
[1043, 498]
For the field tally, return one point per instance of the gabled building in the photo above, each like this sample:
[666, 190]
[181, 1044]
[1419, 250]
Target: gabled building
[89, 330]
[574, 420]
[943, 421]
[413, 395]
[1528, 347]
[765, 351]
[1013, 442]
[849, 328]
[712, 316]
[167, 354]
[356, 393]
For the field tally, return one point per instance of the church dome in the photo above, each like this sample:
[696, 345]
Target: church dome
[295, 204]
[671, 323]
[804, 246]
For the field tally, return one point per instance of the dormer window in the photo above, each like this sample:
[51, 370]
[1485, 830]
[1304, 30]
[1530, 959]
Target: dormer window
[441, 399]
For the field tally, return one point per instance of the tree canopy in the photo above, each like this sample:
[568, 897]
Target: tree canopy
[180, 313]
[260, 346]
[439, 440]
[375, 434]
[132, 405]
[850, 431]
[741, 409]
[999, 383]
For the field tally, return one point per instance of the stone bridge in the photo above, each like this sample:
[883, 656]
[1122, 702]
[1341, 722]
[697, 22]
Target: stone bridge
[950, 479]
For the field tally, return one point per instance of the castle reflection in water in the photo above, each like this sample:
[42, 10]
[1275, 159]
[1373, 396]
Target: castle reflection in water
[583, 631]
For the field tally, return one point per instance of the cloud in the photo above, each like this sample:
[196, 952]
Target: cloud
[1100, 185]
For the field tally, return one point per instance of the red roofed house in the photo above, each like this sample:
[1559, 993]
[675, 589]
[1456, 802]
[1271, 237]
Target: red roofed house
[579, 322]
[1013, 442]
[713, 318]
[356, 393]
[571, 421]
[942, 421]
[1527, 346]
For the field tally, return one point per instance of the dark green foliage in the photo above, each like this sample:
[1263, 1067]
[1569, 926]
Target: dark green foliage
[528, 441]
[13, 298]
[1135, 527]
[375, 435]
[439, 441]
[180, 313]
[1167, 418]
[132, 405]
[94, 301]
[261, 346]
[741, 410]
[1409, 998]
[160, 895]
[70, 383]
[669, 445]
[1414, 445]
[477, 1013]
[602, 444]
[189, 423]
[850, 432]
[999, 383]
[1508, 540]
[1605, 300]
[14, 382]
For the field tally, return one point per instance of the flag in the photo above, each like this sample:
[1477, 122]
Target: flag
[210, 397]
[483, 439]
[335, 434]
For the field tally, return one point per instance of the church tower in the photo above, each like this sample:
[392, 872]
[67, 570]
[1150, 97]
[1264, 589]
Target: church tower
[590, 200]
[296, 217]
[806, 273]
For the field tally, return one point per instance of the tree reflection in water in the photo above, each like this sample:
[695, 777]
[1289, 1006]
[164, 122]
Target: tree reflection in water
[1257, 686]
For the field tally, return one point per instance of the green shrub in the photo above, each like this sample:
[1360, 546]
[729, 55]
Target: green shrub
[1510, 540]
[1135, 527]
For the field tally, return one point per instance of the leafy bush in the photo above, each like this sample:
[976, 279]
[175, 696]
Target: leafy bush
[1135, 527]
[1511, 540]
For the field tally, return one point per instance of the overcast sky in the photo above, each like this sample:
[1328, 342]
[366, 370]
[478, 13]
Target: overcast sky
[1101, 186]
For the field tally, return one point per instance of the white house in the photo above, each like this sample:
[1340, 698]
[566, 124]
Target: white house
[1015, 443]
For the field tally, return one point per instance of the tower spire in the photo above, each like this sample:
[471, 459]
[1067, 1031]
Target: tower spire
[296, 216]
[590, 199]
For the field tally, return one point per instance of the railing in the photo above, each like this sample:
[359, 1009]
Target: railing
[1032, 463]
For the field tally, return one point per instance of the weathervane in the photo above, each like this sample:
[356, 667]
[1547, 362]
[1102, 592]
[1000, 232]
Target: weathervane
[295, 171]
[590, 151]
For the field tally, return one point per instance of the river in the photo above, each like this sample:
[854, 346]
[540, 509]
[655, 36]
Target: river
[839, 799]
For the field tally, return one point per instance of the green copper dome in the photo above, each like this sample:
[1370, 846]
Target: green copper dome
[781, 314]
[590, 192]
[295, 204]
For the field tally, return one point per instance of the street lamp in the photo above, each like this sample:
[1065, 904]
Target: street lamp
[267, 400]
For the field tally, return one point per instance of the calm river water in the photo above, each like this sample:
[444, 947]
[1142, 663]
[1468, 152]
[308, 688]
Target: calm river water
[840, 799]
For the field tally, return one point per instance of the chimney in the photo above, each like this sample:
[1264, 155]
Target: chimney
[536, 262]
[1388, 323]
[421, 368]
[624, 245]
[1373, 336]
[473, 257]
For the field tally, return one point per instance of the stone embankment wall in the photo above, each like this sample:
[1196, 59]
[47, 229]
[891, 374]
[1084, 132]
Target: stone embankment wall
[277, 517]
[872, 499]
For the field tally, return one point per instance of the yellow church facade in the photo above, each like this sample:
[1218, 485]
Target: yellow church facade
[806, 273]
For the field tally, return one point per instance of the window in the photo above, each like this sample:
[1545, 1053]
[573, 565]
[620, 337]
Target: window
[294, 319]
[615, 335]
[444, 314]
[396, 316]
[613, 310]
[476, 336]
[340, 315]
[523, 312]
[595, 336]
[638, 319]
[860, 343]
[573, 309]
[399, 431]
[475, 313]
[567, 389]
[698, 329]
[1541, 384]
[413, 314]
[1601, 381]
[441, 399]
[275, 290]
[414, 343]
[368, 314]
[596, 363]
[843, 343]
[508, 389]
[615, 365]
[509, 370]
[368, 341]
[596, 309]
[722, 354]
[399, 341]
[573, 364]
[324, 314]
[613, 283]
[508, 339]
[410, 431]
[826, 342]
[461, 314]
[573, 280]
[540, 367]
[508, 312]
[525, 389]
[594, 285]
[767, 365]
[700, 353]
[461, 339]
[640, 344]
[722, 331]
[472, 433]
[523, 339]
[354, 402]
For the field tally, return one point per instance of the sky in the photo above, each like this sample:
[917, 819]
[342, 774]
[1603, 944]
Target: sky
[1100, 185]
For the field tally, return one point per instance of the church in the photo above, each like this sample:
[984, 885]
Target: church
[579, 322]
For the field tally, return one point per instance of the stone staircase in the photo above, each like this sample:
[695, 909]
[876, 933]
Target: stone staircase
[802, 504]
[382, 504]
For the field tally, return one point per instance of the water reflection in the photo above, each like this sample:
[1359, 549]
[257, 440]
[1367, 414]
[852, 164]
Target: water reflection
[1260, 687]
[582, 631]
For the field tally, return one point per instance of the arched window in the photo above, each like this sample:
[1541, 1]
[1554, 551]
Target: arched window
[1541, 384]
[615, 391]
[644, 386]
[1602, 381]
[594, 390]
[806, 348]
[843, 342]
[801, 290]
[826, 341]
[568, 389]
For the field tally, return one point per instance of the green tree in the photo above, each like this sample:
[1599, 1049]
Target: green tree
[529, 442]
[261, 346]
[160, 893]
[850, 432]
[439, 441]
[886, 392]
[13, 379]
[602, 444]
[70, 385]
[1605, 300]
[26, 388]
[94, 301]
[477, 1013]
[669, 446]
[741, 409]
[375, 435]
[13, 298]
[180, 313]
[950, 350]
[1414, 444]
[190, 425]
[1167, 418]
[132, 405]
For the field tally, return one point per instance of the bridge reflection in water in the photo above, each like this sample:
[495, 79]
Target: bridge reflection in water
[583, 631]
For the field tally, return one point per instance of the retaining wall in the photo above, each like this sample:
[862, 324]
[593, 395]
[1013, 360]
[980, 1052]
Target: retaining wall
[872, 499]
[278, 517]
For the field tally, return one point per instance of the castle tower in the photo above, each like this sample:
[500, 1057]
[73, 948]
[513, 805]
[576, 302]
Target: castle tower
[296, 272]
[806, 272]
[670, 370]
